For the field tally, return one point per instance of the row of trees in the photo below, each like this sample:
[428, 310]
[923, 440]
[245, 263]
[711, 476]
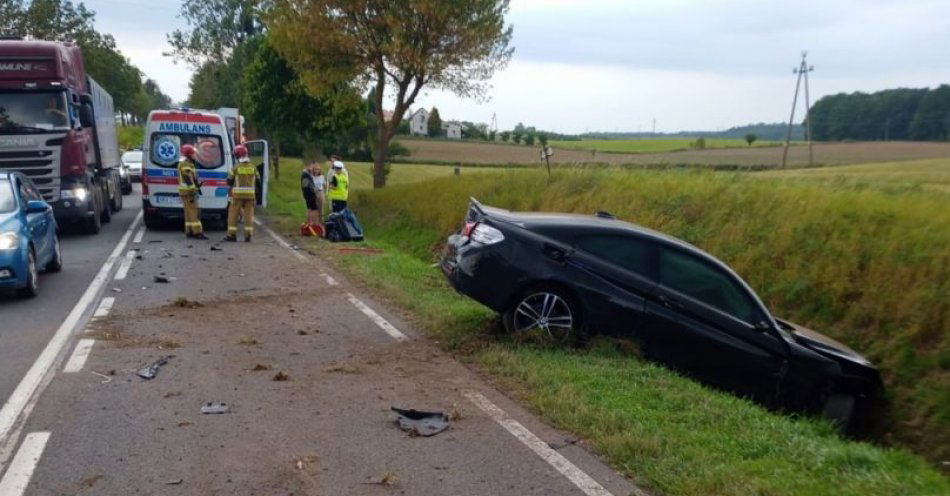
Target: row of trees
[299, 67]
[899, 114]
[62, 20]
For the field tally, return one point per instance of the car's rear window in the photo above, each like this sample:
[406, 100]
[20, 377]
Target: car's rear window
[166, 149]
[629, 252]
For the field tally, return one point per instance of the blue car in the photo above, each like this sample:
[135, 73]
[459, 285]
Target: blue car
[29, 241]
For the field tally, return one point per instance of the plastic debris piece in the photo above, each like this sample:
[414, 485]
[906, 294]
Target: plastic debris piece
[215, 408]
[150, 371]
[174, 482]
[161, 279]
[421, 423]
[216, 248]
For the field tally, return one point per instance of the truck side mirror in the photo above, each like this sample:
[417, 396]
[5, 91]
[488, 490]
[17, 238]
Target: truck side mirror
[86, 118]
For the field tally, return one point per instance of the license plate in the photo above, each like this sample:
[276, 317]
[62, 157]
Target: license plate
[166, 200]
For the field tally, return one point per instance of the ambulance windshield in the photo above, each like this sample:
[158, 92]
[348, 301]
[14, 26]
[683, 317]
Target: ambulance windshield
[166, 149]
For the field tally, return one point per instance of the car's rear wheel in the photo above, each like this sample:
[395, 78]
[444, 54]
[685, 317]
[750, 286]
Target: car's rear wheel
[32, 277]
[549, 310]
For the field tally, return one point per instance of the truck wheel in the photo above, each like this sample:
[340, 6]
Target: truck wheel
[32, 277]
[117, 202]
[106, 210]
[93, 223]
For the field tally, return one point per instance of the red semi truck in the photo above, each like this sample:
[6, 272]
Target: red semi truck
[57, 126]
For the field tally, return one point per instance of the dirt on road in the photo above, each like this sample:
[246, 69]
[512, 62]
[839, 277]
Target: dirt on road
[308, 379]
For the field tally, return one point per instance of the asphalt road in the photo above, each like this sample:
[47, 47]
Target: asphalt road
[309, 365]
[26, 325]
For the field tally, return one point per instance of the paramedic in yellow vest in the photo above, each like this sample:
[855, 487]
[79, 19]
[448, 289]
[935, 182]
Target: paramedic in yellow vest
[188, 190]
[242, 180]
[339, 188]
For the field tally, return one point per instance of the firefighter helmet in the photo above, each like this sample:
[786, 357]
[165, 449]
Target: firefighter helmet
[188, 151]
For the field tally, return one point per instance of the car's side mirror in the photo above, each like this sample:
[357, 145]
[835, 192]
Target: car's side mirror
[36, 207]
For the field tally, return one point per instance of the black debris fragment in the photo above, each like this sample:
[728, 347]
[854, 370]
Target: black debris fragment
[421, 423]
[150, 371]
[162, 279]
[216, 248]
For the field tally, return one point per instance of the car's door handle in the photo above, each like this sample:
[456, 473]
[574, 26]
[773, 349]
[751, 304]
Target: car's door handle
[554, 253]
[668, 302]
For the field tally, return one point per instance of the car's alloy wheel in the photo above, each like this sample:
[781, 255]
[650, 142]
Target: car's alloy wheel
[32, 277]
[547, 311]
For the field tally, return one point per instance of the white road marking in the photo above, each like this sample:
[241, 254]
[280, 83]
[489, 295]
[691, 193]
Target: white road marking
[330, 280]
[79, 356]
[18, 477]
[376, 318]
[105, 306]
[586, 483]
[138, 236]
[124, 267]
[21, 401]
[280, 240]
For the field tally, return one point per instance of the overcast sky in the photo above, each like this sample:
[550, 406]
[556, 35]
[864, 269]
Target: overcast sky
[611, 65]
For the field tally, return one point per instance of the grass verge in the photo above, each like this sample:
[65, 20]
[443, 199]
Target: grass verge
[666, 432]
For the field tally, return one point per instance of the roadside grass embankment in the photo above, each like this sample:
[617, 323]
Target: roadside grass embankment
[862, 265]
[909, 175]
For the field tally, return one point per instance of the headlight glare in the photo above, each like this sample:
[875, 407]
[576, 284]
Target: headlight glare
[8, 241]
[74, 194]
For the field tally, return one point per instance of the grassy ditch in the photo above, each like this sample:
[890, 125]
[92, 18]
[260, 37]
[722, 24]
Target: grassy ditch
[665, 431]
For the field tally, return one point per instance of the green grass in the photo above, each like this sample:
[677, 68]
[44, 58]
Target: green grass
[865, 265]
[933, 174]
[653, 145]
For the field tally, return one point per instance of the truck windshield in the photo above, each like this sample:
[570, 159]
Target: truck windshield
[6, 197]
[33, 112]
[166, 149]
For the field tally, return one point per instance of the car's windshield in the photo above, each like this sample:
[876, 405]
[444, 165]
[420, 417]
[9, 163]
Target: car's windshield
[33, 112]
[7, 203]
[133, 157]
[166, 149]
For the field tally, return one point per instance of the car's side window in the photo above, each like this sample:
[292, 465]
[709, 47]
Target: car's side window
[631, 253]
[705, 282]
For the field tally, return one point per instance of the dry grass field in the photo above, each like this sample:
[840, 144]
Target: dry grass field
[825, 154]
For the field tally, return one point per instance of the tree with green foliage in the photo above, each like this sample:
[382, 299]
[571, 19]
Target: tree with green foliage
[505, 136]
[277, 102]
[216, 29]
[529, 139]
[434, 124]
[516, 136]
[750, 138]
[543, 139]
[396, 47]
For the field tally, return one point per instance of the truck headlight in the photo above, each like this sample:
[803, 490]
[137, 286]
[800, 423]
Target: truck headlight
[74, 194]
[8, 241]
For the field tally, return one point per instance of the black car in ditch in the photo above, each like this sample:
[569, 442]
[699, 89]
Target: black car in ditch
[566, 275]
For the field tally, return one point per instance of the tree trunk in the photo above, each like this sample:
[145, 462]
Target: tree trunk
[379, 159]
[276, 160]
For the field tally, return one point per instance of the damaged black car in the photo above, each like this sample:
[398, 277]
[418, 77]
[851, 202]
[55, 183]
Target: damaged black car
[566, 275]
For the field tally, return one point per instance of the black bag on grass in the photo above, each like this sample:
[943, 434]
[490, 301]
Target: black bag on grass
[343, 226]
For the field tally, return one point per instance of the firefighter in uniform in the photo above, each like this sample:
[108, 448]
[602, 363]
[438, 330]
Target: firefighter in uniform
[243, 180]
[188, 189]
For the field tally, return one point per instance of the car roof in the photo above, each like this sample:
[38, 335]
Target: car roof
[582, 224]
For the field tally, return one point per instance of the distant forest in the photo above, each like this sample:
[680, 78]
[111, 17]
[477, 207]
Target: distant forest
[899, 114]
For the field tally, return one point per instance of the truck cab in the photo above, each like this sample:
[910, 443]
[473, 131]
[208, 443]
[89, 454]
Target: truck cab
[57, 126]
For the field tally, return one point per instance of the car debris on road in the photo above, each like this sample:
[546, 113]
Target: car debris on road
[150, 371]
[421, 423]
[215, 408]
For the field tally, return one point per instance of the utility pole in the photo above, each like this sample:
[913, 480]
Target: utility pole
[802, 71]
[811, 154]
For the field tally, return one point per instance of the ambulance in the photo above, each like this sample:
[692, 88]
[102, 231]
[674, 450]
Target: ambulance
[165, 133]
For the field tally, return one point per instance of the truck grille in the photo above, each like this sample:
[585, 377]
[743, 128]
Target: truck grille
[41, 166]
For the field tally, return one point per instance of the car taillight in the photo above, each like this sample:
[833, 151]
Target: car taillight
[486, 235]
[467, 229]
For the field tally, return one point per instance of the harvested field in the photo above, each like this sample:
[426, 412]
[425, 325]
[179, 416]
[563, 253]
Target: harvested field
[825, 154]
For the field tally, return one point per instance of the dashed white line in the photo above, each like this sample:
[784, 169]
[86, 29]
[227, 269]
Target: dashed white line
[124, 267]
[584, 482]
[21, 401]
[105, 306]
[329, 279]
[280, 240]
[78, 358]
[138, 236]
[24, 463]
[376, 318]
